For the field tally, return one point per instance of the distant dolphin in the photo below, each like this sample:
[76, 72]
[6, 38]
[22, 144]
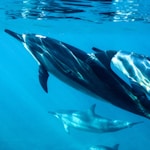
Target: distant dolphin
[121, 78]
[102, 147]
[89, 121]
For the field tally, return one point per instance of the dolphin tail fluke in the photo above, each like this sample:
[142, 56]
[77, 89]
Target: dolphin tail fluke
[15, 35]
[135, 123]
[116, 147]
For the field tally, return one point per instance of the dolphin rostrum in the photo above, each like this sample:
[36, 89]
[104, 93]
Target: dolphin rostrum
[102, 147]
[120, 78]
[90, 121]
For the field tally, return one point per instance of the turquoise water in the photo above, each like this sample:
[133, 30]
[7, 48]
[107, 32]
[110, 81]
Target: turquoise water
[25, 122]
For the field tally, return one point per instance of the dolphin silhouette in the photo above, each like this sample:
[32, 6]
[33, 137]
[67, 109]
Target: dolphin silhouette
[90, 121]
[120, 78]
[102, 147]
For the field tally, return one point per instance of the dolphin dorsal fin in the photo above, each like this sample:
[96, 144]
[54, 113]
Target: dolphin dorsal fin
[116, 146]
[91, 110]
[97, 49]
[43, 77]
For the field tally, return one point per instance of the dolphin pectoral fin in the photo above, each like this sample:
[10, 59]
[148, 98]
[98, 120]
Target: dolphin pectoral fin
[43, 77]
[116, 147]
[97, 49]
[66, 127]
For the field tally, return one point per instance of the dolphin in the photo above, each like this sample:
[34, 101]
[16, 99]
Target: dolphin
[90, 121]
[118, 77]
[102, 147]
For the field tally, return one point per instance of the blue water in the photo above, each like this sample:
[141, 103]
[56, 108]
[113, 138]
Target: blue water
[24, 120]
